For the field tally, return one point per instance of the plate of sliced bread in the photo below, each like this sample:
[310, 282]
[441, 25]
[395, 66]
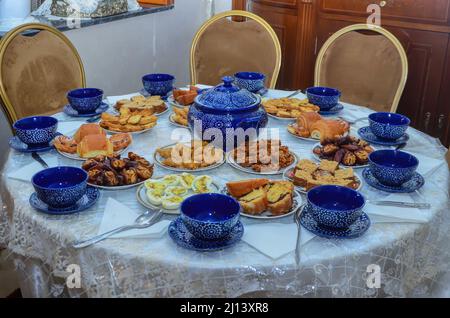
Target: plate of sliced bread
[265, 199]
[308, 175]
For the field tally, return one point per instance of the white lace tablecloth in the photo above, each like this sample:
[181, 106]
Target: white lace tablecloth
[411, 256]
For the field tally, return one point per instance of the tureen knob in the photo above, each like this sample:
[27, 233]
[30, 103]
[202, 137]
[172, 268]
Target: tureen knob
[228, 81]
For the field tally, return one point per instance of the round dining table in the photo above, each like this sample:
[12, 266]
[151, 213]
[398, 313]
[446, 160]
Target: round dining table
[410, 256]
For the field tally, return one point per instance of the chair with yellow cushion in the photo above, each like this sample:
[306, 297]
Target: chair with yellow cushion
[38, 66]
[369, 66]
[231, 42]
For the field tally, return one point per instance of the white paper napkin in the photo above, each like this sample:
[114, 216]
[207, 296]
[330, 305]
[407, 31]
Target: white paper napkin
[26, 172]
[428, 165]
[388, 214]
[275, 240]
[112, 100]
[117, 215]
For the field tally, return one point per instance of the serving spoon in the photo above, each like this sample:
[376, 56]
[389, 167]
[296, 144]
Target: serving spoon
[145, 220]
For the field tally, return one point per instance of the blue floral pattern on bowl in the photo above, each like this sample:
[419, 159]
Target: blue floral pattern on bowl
[366, 134]
[224, 107]
[210, 216]
[251, 81]
[355, 230]
[88, 200]
[324, 97]
[388, 126]
[60, 187]
[158, 84]
[415, 183]
[334, 206]
[85, 100]
[17, 144]
[36, 130]
[392, 168]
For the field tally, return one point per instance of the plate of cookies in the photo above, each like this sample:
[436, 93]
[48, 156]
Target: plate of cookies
[347, 151]
[288, 108]
[154, 105]
[256, 157]
[265, 199]
[308, 175]
[179, 117]
[195, 155]
[134, 121]
[116, 172]
[90, 141]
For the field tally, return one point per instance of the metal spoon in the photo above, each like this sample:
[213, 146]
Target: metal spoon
[145, 220]
[297, 216]
[93, 119]
[299, 91]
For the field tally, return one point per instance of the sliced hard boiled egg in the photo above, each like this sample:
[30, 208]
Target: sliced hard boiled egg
[202, 184]
[156, 196]
[176, 190]
[155, 185]
[172, 202]
[171, 180]
[187, 179]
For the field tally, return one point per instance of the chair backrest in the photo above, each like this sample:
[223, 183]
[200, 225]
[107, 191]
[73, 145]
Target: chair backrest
[368, 64]
[38, 65]
[224, 46]
[448, 158]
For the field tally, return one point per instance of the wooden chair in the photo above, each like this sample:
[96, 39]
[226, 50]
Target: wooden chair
[369, 66]
[38, 65]
[448, 158]
[224, 46]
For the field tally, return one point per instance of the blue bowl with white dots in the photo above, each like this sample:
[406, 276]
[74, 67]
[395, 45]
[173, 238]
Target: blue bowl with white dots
[36, 130]
[324, 97]
[335, 206]
[393, 168]
[388, 126]
[85, 100]
[210, 216]
[251, 81]
[60, 187]
[158, 84]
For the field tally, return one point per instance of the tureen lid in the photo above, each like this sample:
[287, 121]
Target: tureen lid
[228, 96]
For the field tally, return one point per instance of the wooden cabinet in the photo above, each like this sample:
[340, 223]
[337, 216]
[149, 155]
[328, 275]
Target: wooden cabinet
[422, 26]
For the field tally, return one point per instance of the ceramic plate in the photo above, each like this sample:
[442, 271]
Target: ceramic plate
[412, 185]
[183, 238]
[158, 160]
[68, 110]
[333, 111]
[317, 158]
[75, 156]
[16, 144]
[297, 203]
[171, 100]
[366, 134]
[235, 165]
[302, 138]
[173, 122]
[88, 200]
[288, 176]
[134, 133]
[357, 229]
[281, 118]
[141, 196]
[124, 187]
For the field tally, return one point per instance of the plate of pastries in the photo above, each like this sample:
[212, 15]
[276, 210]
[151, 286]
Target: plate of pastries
[288, 108]
[308, 175]
[89, 141]
[312, 127]
[183, 97]
[347, 151]
[170, 191]
[179, 117]
[258, 157]
[265, 199]
[135, 121]
[154, 105]
[116, 172]
[195, 155]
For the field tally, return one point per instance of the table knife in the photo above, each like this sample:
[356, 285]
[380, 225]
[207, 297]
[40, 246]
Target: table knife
[39, 159]
[425, 206]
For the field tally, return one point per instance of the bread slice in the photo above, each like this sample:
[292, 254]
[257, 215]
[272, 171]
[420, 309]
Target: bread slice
[280, 197]
[283, 206]
[255, 202]
[240, 188]
[95, 145]
[301, 178]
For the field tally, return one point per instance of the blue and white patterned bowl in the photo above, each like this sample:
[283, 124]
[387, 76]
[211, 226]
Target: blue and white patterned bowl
[85, 100]
[251, 81]
[36, 130]
[60, 187]
[393, 168]
[158, 84]
[388, 125]
[324, 97]
[335, 206]
[210, 216]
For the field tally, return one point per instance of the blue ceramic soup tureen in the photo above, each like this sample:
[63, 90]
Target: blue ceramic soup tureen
[218, 114]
